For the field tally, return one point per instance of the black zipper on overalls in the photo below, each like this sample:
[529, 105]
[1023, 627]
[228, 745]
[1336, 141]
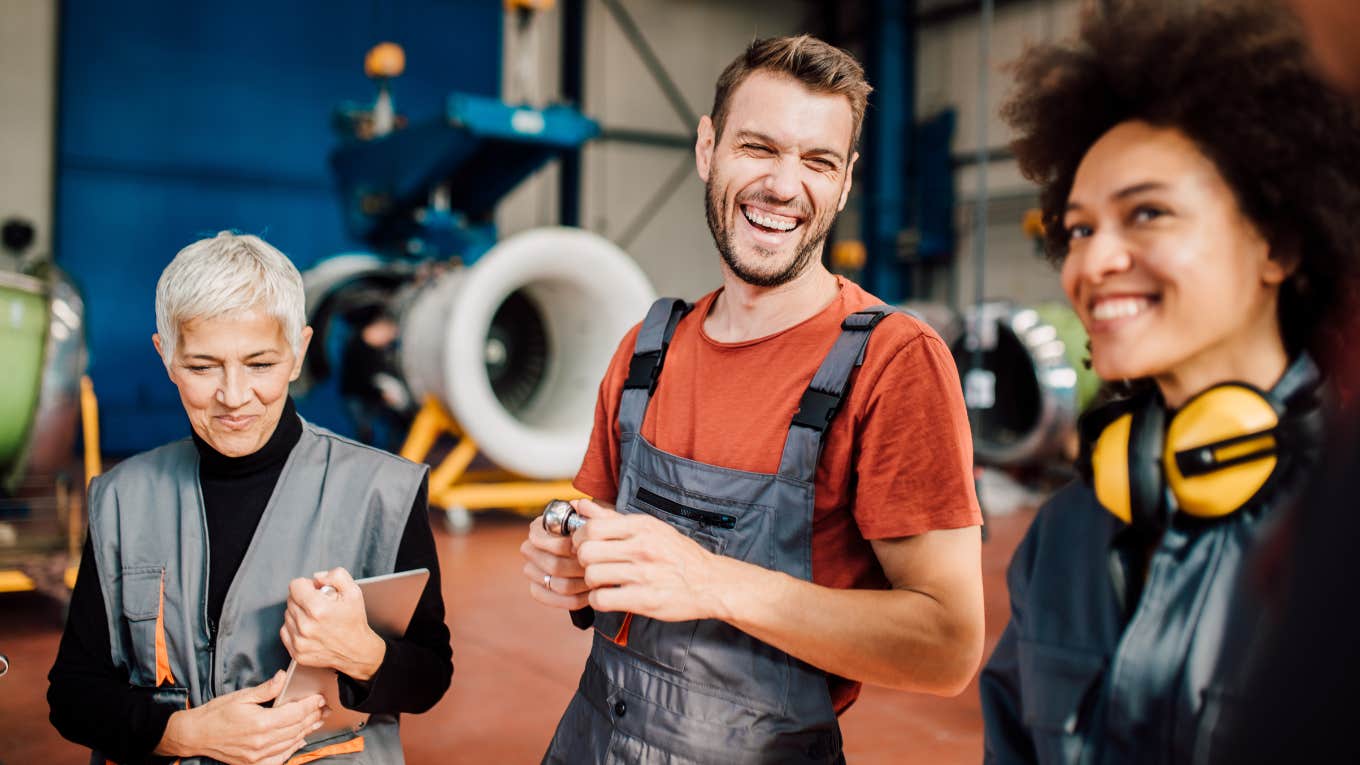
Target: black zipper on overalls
[671, 507]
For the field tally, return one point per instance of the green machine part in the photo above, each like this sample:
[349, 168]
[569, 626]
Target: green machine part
[24, 321]
[1061, 317]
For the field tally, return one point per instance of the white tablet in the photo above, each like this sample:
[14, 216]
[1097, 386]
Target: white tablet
[389, 602]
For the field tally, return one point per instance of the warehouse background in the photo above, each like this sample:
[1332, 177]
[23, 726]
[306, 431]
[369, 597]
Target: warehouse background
[132, 129]
[128, 130]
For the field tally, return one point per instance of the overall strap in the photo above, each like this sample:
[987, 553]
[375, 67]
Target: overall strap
[648, 357]
[826, 393]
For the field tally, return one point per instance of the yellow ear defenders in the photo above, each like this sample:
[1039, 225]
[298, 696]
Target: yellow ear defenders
[1214, 455]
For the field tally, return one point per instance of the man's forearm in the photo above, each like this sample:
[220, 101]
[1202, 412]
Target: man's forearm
[897, 638]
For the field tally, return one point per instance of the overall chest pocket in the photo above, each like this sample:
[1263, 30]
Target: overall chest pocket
[667, 643]
[1058, 690]
[715, 658]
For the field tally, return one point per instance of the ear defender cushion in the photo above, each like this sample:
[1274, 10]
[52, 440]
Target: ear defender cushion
[1110, 467]
[1125, 465]
[1221, 449]
[1146, 487]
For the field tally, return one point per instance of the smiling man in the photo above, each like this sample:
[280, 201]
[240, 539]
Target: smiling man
[781, 473]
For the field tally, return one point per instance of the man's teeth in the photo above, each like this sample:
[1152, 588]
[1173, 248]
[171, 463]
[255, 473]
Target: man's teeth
[769, 220]
[1118, 308]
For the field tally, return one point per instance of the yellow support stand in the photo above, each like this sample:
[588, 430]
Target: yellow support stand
[94, 465]
[460, 491]
[89, 419]
[16, 581]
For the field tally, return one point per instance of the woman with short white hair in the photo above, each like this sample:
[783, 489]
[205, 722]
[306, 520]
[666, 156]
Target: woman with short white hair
[183, 616]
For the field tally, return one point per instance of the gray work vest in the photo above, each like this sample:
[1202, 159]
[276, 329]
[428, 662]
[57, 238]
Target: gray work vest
[704, 691]
[337, 503]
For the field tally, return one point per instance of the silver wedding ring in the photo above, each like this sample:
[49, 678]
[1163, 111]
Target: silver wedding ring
[547, 582]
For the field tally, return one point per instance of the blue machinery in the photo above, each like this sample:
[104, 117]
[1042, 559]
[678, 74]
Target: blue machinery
[505, 347]
[429, 191]
[142, 174]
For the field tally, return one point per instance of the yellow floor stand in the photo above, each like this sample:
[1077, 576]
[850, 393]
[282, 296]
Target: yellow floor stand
[461, 492]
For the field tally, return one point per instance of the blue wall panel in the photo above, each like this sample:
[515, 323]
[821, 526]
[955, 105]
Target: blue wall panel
[177, 120]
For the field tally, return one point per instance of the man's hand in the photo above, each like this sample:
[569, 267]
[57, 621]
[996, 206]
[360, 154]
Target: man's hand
[642, 565]
[235, 729]
[330, 629]
[556, 579]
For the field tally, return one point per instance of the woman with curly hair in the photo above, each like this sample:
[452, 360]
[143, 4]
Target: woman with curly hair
[1201, 194]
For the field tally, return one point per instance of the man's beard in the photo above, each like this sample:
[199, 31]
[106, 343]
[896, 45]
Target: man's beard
[813, 238]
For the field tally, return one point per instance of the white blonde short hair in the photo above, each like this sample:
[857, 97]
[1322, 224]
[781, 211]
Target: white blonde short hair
[225, 274]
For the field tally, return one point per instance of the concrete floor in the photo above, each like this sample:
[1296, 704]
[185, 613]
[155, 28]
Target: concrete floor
[516, 665]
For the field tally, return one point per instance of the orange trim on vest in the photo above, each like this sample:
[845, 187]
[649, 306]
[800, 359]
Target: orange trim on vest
[622, 638]
[163, 673]
[355, 744]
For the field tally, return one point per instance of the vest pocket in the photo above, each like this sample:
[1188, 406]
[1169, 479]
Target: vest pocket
[348, 742]
[141, 594]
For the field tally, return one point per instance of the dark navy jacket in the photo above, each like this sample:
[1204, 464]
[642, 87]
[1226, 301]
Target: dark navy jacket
[1102, 665]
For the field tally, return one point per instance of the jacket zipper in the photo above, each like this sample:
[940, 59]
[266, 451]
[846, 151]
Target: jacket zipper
[1141, 613]
[671, 507]
[209, 627]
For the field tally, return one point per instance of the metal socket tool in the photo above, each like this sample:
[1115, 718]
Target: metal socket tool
[4, 665]
[561, 518]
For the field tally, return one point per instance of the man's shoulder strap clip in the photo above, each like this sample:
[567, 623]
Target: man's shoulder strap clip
[863, 320]
[816, 409]
[644, 369]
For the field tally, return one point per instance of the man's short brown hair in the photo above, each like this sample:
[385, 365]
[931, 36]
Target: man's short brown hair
[821, 67]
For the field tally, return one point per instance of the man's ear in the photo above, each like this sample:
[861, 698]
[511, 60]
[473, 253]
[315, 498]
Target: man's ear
[703, 147]
[849, 180]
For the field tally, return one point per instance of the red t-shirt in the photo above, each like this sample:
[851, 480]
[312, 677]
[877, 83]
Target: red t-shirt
[896, 461]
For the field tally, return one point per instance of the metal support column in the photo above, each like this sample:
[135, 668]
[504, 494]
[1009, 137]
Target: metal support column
[887, 145]
[573, 92]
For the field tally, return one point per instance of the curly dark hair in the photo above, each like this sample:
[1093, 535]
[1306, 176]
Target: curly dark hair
[1236, 79]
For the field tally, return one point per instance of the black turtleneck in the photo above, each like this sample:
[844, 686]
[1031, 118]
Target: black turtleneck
[236, 491]
[90, 698]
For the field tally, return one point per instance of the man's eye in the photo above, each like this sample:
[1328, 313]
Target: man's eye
[756, 148]
[263, 364]
[199, 368]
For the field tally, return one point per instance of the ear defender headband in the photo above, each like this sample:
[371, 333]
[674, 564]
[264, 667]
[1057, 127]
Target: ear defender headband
[1214, 456]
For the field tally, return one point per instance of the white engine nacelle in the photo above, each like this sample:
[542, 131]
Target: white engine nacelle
[515, 345]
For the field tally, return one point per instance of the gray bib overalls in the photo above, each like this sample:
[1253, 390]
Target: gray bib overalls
[704, 691]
